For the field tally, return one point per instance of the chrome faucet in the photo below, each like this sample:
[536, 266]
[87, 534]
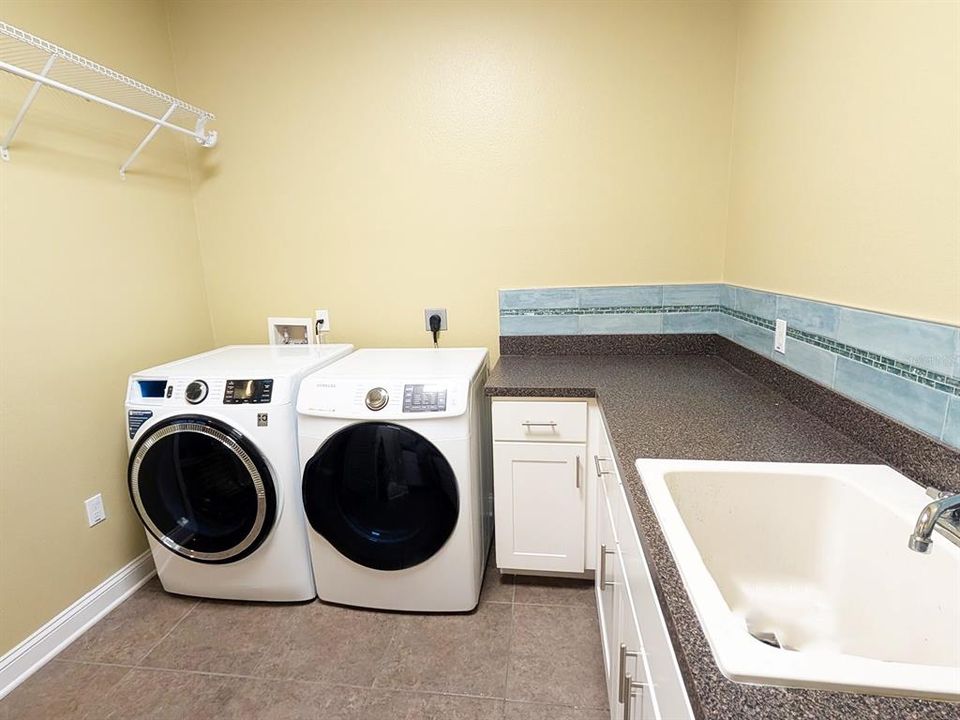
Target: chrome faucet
[942, 514]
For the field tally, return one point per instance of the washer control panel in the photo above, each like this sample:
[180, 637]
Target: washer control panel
[424, 398]
[238, 392]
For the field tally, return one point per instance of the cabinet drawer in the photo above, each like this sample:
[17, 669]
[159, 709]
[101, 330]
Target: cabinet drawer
[540, 421]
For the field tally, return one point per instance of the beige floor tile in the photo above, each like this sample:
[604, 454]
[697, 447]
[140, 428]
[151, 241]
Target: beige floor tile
[497, 587]
[555, 657]
[62, 691]
[291, 700]
[128, 633]
[464, 654]
[222, 637]
[148, 694]
[535, 711]
[402, 705]
[554, 591]
[329, 643]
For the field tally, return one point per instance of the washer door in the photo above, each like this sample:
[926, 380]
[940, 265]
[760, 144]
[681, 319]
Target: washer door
[382, 495]
[202, 489]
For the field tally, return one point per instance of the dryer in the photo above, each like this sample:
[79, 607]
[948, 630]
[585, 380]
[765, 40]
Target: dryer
[397, 480]
[213, 472]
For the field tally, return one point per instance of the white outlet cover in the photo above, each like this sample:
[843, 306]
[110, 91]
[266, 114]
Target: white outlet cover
[322, 315]
[95, 510]
[780, 336]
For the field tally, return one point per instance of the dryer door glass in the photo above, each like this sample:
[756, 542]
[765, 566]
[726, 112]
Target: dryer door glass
[202, 489]
[382, 495]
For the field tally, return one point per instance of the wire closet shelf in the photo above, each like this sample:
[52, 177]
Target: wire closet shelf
[50, 65]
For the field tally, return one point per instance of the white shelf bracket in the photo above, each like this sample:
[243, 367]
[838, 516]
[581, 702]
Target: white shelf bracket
[148, 138]
[27, 102]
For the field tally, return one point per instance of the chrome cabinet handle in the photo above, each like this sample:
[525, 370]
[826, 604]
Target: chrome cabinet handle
[628, 697]
[528, 424]
[600, 471]
[603, 567]
[623, 682]
[578, 472]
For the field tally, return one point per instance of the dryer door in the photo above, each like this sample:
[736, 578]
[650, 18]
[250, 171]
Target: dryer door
[202, 489]
[384, 496]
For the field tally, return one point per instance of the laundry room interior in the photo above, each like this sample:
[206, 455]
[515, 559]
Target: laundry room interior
[480, 359]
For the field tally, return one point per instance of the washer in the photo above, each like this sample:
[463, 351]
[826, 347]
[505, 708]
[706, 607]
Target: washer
[396, 459]
[214, 473]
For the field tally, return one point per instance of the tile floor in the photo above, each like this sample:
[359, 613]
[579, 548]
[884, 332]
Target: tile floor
[531, 651]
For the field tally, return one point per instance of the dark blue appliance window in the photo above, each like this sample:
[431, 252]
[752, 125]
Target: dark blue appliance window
[382, 495]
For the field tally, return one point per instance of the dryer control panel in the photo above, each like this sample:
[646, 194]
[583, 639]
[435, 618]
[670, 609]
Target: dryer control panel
[424, 398]
[383, 398]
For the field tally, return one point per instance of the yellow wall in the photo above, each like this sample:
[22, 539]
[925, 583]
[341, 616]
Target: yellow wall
[379, 158]
[98, 277]
[846, 155]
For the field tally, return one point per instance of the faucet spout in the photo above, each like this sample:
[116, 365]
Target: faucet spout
[944, 512]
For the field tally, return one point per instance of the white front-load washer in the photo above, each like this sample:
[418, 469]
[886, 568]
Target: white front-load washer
[395, 454]
[214, 474]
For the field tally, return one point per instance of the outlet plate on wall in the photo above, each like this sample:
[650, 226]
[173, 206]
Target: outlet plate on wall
[442, 312]
[95, 511]
[322, 315]
[780, 337]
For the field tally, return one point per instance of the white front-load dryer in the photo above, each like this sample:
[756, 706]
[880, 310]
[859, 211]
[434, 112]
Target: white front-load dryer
[214, 474]
[396, 462]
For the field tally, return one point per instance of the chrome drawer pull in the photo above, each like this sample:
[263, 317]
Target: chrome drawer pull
[601, 472]
[624, 654]
[604, 584]
[527, 424]
[628, 699]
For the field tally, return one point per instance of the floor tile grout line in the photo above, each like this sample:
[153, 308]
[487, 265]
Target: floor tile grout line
[509, 662]
[183, 617]
[318, 683]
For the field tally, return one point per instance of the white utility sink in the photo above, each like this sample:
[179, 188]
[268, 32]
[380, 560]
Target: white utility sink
[813, 558]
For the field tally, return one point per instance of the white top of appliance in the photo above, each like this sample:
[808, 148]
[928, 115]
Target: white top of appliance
[232, 375]
[393, 384]
[251, 360]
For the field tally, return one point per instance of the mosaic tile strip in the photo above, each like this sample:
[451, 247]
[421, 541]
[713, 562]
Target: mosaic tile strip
[614, 310]
[936, 380]
[907, 368]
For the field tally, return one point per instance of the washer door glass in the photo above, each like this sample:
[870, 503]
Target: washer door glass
[382, 495]
[202, 489]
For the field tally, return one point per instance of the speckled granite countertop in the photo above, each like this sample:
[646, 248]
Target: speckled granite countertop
[700, 407]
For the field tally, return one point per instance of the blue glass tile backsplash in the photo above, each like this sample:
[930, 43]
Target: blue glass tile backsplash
[907, 369]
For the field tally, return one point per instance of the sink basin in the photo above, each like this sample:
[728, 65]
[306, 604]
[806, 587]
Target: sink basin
[800, 574]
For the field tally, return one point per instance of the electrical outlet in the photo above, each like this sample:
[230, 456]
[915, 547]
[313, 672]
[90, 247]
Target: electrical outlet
[95, 511]
[442, 312]
[780, 337]
[324, 317]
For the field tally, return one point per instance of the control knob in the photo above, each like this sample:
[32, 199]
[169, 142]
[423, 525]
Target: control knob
[377, 398]
[196, 392]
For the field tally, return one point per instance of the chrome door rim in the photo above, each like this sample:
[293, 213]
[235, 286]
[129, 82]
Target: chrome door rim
[237, 450]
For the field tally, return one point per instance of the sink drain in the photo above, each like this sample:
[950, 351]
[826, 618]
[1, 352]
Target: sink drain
[767, 638]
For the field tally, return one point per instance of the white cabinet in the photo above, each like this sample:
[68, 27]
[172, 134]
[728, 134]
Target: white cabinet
[560, 507]
[643, 678]
[544, 504]
[604, 581]
[539, 506]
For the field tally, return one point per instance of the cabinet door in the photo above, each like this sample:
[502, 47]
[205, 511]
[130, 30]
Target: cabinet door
[540, 506]
[604, 580]
[632, 689]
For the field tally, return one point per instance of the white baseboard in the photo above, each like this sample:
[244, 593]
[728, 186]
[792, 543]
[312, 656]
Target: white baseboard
[41, 647]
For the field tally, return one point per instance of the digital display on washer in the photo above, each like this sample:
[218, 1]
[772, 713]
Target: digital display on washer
[424, 398]
[247, 391]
